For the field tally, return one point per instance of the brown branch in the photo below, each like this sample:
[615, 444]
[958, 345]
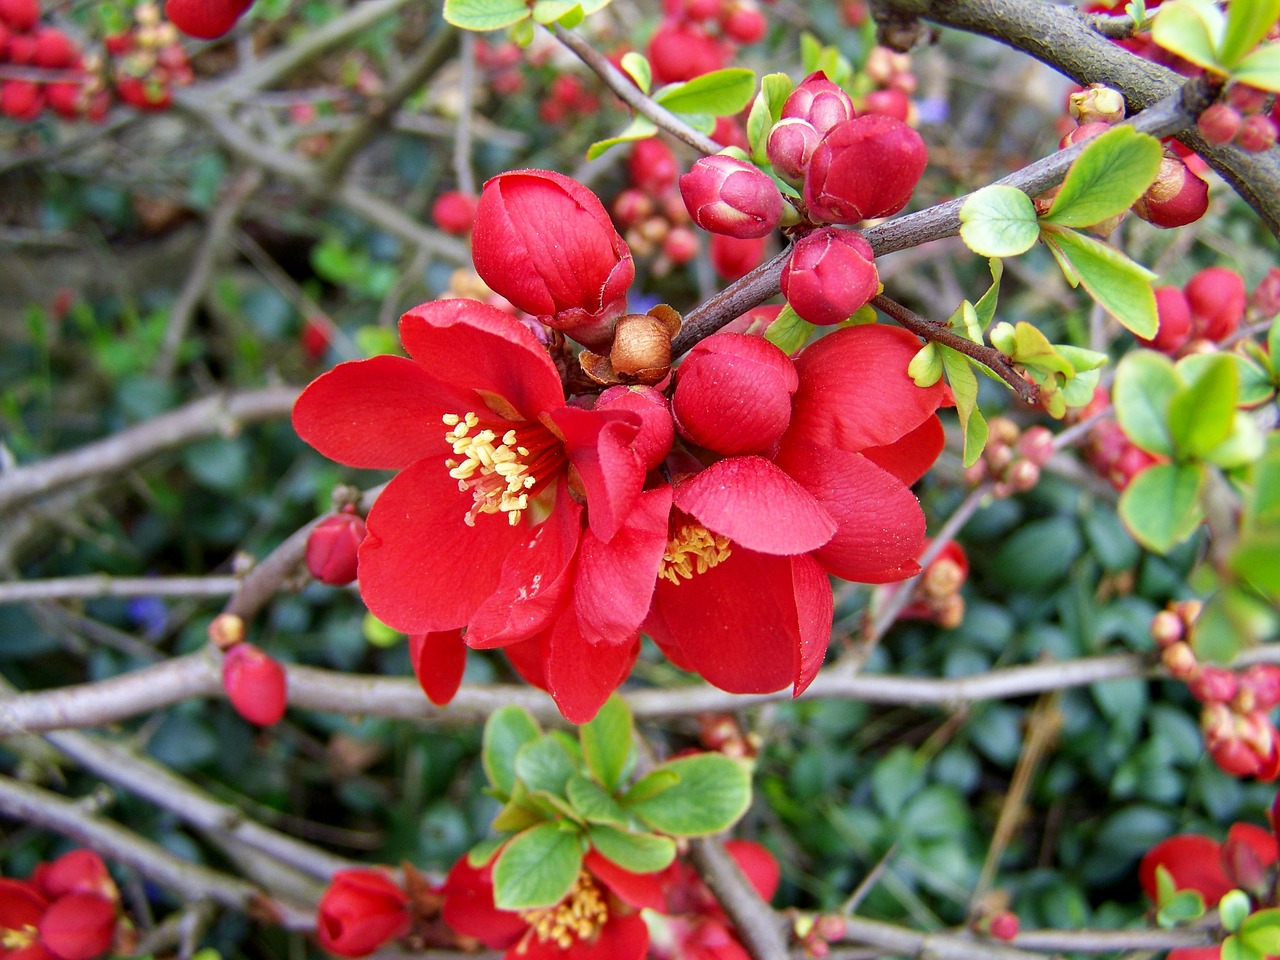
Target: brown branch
[989, 357]
[761, 930]
[104, 585]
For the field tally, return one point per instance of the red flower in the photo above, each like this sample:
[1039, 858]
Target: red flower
[206, 19]
[360, 911]
[546, 243]
[255, 684]
[863, 168]
[598, 919]
[72, 926]
[744, 598]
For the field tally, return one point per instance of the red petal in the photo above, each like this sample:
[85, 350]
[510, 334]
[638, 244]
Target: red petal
[476, 347]
[640, 890]
[755, 504]
[879, 524]
[912, 455]
[581, 675]
[757, 865]
[615, 580]
[599, 444]
[78, 926]
[20, 904]
[422, 569]
[854, 389]
[621, 938]
[439, 660]
[379, 414]
[1194, 862]
[533, 579]
[1261, 841]
[814, 610]
[469, 909]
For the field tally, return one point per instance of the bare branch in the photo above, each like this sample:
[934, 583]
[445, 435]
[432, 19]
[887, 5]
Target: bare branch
[760, 929]
[103, 585]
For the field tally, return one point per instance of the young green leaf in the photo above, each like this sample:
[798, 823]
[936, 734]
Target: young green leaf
[606, 743]
[999, 221]
[638, 69]
[1260, 69]
[641, 128]
[985, 309]
[544, 765]
[1193, 29]
[635, 852]
[712, 793]
[720, 93]
[484, 851]
[592, 803]
[537, 868]
[1248, 23]
[788, 332]
[1145, 384]
[484, 14]
[1201, 413]
[1114, 170]
[651, 785]
[1234, 948]
[925, 367]
[1242, 447]
[1120, 286]
[549, 11]
[506, 731]
[964, 386]
[1161, 505]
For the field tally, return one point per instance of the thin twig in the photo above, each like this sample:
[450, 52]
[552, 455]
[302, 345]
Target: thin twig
[759, 928]
[104, 585]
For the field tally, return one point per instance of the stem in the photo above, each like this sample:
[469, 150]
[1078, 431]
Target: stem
[760, 929]
[104, 585]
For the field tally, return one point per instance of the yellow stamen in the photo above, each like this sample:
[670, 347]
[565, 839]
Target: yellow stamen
[17, 939]
[491, 469]
[693, 549]
[579, 916]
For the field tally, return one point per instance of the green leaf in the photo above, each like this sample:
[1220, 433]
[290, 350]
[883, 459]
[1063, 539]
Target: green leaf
[1033, 349]
[484, 851]
[606, 743]
[1232, 909]
[506, 731]
[719, 93]
[1193, 29]
[638, 69]
[636, 852]
[925, 367]
[641, 128]
[592, 803]
[766, 108]
[1144, 386]
[776, 87]
[712, 793]
[1242, 447]
[651, 785]
[1161, 506]
[1260, 69]
[1248, 22]
[484, 14]
[1120, 286]
[549, 11]
[1201, 413]
[1181, 907]
[985, 308]
[789, 332]
[1114, 170]
[1234, 948]
[544, 765]
[964, 386]
[999, 221]
[537, 868]
[1273, 343]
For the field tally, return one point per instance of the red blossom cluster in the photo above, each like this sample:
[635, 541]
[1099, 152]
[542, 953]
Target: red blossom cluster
[654, 221]
[1236, 719]
[66, 910]
[699, 36]
[1206, 310]
[1012, 458]
[1112, 454]
[53, 68]
[556, 528]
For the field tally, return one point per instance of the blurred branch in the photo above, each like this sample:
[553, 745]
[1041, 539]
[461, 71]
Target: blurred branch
[466, 116]
[761, 930]
[222, 414]
[104, 585]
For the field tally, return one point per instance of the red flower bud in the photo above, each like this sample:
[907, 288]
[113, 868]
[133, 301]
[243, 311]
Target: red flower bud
[1036, 444]
[255, 684]
[205, 19]
[1216, 296]
[22, 49]
[454, 212]
[681, 52]
[359, 912]
[21, 100]
[729, 132]
[744, 23]
[1245, 98]
[332, 546]
[733, 394]
[1175, 321]
[546, 243]
[1213, 685]
[733, 257]
[1004, 925]
[54, 50]
[315, 338]
[730, 196]
[1177, 197]
[1242, 863]
[1257, 133]
[819, 101]
[1219, 124]
[79, 926]
[680, 245]
[865, 167]
[790, 146]
[657, 430]
[1167, 629]
[1265, 299]
[80, 871]
[652, 166]
[831, 273]
[1262, 680]
[1086, 131]
[21, 15]
[890, 103]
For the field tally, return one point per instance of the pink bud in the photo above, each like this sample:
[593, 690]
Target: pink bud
[733, 257]
[744, 23]
[359, 912]
[730, 133]
[631, 206]
[1265, 299]
[830, 274]
[332, 546]
[1216, 296]
[730, 196]
[79, 926]
[1257, 133]
[681, 52]
[1247, 99]
[819, 101]
[1213, 685]
[1263, 682]
[1219, 124]
[1180, 660]
[1175, 321]
[891, 103]
[657, 430]
[1177, 197]
[1004, 925]
[546, 243]
[1242, 865]
[652, 166]
[21, 99]
[791, 144]
[454, 212]
[21, 15]
[1167, 629]
[255, 684]
[733, 394]
[680, 245]
[1086, 131]
[54, 50]
[1036, 444]
[863, 168]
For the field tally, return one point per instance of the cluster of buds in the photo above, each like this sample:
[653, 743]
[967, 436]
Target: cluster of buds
[723, 733]
[936, 596]
[54, 72]
[66, 910]
[500, 63]
[699, 36]
[148, 61]
[1012, 457]
[254, 682]
[890, 72]
[653, 219]
[1205, 311]
[1111, 454]
[205, 19]
[1235, 721]
[1247, 117]
[568, 98]
[815, 933]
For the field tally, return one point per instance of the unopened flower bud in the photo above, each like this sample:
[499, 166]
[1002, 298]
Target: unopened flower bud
[1247, 99]
[255, 684]
[890, 103]
[951, 613]
[1023, 475]
[943, 577]
[680, 245]
[1262, 680]
[332, 547]
[864, 168]
[652, 166]
[1257, 133]
[1004, 925]
[830, 274]
[1036, 444]
[360, 911]
[454, 212]
[1174, 314]
[730, 196]
[1213, 684]
[1167, 628]
[1188, 610]
[790, 146]
[1176, 198]
[1086, 131]
[1216, 296]
[641, 348]
[1242, 865]
[1179, 659]
[1097, 103]
[226, 631]
[819, 101]
[1219, 124]
[1265, 299]
[631, 206]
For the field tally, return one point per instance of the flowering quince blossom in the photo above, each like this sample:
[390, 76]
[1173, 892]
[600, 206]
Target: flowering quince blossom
[65, 911]
[514, 514]
[598, 919]
[1200, 863]
[815, 461]
[546, 243]
[360, 911]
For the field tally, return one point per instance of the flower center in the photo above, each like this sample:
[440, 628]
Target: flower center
[692, 549]
[579, 916]
[17, 939]
[502, 472]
